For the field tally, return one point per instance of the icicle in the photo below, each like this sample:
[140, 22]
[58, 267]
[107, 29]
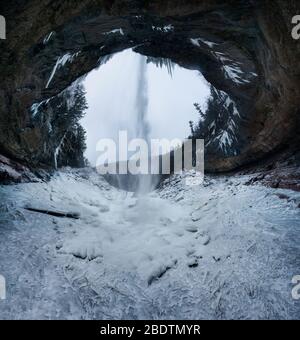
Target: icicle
[48, 37]
[61, 61]
[57, 151]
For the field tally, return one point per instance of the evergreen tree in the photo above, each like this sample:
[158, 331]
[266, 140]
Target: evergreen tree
[71, 110]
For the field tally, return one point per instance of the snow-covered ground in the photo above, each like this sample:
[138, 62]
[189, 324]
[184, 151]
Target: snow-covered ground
[219, 251]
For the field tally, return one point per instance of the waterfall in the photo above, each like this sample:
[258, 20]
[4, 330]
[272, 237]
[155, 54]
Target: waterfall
[142, 126]
[145, 183]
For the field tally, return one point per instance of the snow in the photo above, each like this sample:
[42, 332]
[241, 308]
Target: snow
[36, 107]
[196, 42]
[69, 93]
[118, 31]
[48, 37]
[222, 250]
[225, 141]
[226, 59]
[227, 137]
[61, 62]
[231, 69]
[57, 151]
[230, 103]
[235, 74]
[165, 29]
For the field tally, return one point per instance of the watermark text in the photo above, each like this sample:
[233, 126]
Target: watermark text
[2, 288]
[150, 157]
[296, 29]
[2, 27]
[296, 288]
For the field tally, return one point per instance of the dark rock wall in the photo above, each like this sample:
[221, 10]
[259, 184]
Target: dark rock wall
[243, 48]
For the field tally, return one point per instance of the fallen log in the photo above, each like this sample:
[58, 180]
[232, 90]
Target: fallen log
[56, 213]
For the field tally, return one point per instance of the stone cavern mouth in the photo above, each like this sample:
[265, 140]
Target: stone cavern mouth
[229, 45]
[222, 125]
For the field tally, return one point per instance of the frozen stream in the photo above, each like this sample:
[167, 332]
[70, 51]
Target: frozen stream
[224, 250]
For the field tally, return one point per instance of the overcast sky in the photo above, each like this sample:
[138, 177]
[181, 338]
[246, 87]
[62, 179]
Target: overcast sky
[111, 96]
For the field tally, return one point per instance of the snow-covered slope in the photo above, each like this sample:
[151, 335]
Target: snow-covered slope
[223, 250]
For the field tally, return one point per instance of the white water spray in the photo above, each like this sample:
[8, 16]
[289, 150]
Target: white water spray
[145, 182]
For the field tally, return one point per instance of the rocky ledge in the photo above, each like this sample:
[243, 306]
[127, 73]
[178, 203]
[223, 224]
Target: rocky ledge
[14, 172]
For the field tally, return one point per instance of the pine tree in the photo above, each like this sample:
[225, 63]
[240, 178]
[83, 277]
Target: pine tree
[71, 110]
[191, 123]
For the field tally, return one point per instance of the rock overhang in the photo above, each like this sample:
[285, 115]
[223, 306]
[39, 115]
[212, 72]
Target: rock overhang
[227, 41]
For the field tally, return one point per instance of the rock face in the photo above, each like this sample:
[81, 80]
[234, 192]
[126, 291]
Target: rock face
[13, 172]
[243, 48]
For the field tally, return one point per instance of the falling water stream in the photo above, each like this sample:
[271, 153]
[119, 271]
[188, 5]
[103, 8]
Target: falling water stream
[148, 98]
[145, 183]
[142, 100]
